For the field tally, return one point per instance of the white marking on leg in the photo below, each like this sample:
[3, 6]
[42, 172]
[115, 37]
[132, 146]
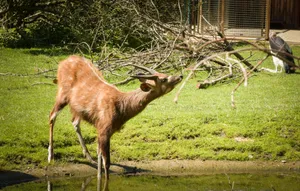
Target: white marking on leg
[99, 165]
[76, 123]
[49, 153]
[104, 166]
[54, 115]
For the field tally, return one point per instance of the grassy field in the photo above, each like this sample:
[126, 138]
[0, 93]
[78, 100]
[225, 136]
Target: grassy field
[264, 126]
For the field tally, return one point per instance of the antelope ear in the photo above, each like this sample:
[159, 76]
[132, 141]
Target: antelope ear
[145, 87]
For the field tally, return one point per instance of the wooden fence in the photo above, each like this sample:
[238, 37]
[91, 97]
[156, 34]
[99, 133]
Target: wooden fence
[235, 17]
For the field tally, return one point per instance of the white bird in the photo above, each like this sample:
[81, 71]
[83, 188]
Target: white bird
[279, 47]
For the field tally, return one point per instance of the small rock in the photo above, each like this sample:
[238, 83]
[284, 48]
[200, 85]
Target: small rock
[283, 161]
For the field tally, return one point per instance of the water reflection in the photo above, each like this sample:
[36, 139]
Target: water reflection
[242, 182]
[102, 184]
[99, 184]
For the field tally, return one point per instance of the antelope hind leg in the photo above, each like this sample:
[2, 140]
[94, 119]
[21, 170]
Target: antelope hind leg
[76, 124]
[55, 111]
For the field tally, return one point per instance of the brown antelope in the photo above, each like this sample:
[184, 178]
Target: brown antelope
[94, 100]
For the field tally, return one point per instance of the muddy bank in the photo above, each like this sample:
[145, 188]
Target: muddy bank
[161, 167]
[199, 167]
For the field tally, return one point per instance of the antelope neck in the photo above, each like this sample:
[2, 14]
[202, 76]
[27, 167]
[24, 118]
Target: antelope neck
[134, 102]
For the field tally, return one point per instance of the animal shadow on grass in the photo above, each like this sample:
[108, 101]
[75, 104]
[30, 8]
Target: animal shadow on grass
[130, 169]
[126, 169]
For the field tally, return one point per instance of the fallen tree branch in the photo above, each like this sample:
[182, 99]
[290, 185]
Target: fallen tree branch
[243, 79]
[229, 48]
[29, 75]
[42, 83]
[205, 60]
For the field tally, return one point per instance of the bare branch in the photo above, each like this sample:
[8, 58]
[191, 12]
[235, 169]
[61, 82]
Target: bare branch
[239, 84]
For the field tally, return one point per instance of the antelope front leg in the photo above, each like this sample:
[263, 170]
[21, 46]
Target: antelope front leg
[99, 169]
[76, 124]
[59, 105]
[104, 154]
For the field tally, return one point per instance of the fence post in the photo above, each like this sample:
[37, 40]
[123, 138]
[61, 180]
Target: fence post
[199, 16]
[193, 23]
[268, 19]
[222, 16]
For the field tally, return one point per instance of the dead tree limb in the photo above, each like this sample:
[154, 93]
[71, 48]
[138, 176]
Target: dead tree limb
[207, 59]
[243, 79]
[236, 54]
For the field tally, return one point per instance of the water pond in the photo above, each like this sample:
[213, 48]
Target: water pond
[241, 182]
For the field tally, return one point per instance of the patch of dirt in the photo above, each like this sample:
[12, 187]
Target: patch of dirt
[200, 167]
[161, 167]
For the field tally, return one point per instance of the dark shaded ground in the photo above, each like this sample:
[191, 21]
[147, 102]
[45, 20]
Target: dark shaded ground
[14, 177]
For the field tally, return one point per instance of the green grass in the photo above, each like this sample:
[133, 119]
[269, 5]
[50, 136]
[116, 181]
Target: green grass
[201, 126]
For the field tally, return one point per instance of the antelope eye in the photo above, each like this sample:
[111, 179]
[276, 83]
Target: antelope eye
[164, 80]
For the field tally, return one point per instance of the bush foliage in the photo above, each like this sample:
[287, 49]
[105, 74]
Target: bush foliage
[38, 23]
